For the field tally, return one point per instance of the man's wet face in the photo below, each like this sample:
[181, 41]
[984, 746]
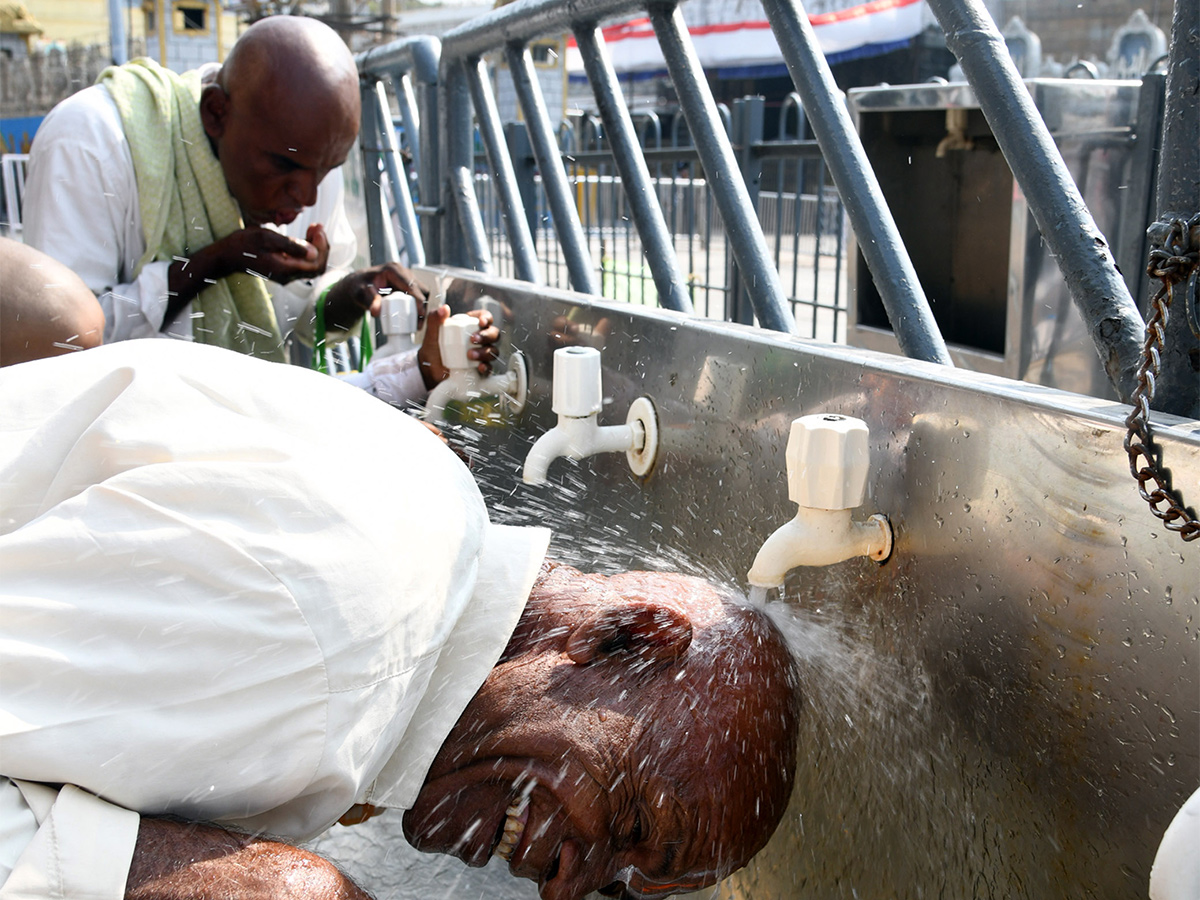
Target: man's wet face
[275, 149]
[598, 754]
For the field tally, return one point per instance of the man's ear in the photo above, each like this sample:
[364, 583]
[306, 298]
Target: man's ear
[214, 110]
[641, 628]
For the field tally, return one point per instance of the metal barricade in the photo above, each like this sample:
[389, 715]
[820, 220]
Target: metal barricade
[12, 176]
[406, 70]
[756, 292]
[510, 30]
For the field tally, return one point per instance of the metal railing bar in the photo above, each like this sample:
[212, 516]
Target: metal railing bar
[759, 277]
[644, 208]
[878, 237]
[1082, 252]
[527, 19]
[373, 145]
[554, 177]
[398, 179]
[462, 188]
[410, 117]
[456, 130]
[420, 55]
[399, 63]
[504, 178]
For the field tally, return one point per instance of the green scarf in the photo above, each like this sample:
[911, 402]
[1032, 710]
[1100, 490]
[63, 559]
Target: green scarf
[185, 202]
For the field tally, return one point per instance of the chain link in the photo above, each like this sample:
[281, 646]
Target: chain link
[1175, 263]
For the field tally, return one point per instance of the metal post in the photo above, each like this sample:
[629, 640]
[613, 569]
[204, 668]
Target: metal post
[1062, 217]
[504, 179]
[1137, 201]
[429, 168]
[554, 177]
[1179, 197]
[398, 177]
[454, 118]
[118, 43]
[409, 116]
[878, 237]
[759, 277]
[747, 131]
[462, 189]
[379, 234]
[643, 204]
[516, 138]
[405, 61]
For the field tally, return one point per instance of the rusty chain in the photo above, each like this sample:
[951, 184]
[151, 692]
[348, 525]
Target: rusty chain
[1174, 264]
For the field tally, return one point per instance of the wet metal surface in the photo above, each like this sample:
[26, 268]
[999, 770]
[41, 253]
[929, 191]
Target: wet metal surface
[1008, 706]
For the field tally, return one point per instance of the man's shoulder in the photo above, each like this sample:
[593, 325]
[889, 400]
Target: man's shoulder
[87, 115]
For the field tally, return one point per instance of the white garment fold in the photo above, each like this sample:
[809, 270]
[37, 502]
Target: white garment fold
[218, 606]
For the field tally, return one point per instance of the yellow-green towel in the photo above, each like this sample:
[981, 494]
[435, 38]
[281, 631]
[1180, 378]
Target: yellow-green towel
[185, 202]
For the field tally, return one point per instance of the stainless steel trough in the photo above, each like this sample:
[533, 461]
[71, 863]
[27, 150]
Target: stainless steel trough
[1006, 707]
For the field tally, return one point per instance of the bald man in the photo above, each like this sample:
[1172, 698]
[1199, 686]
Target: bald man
[209, 206]
[45, 309]
[199, 624]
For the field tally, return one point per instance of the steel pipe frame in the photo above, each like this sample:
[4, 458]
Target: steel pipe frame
[401, 62]
[383, 247]
[759, 277]
[456, 134]
[1179, 196]
[519, 22]
[907, 307]
[505, 179]
[398, 178]
[554, 177]
[1066, 224]
[462, 192]
[644, 208]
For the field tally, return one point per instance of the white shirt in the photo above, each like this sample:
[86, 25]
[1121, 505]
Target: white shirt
[216, 607]
[82, 208]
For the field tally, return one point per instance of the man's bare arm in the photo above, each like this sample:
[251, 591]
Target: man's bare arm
[183, 861]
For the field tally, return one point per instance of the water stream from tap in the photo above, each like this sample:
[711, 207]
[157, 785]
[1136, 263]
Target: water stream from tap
[873, 770]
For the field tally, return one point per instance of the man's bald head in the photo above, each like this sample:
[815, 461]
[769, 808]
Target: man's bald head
[294, 54]
[45, 308]
[284, 111]
[637, 737]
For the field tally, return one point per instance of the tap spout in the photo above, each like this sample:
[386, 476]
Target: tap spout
[467, 384]
[819, 537]
[577, 437]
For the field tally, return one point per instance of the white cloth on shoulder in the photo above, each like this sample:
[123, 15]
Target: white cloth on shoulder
[236, 591]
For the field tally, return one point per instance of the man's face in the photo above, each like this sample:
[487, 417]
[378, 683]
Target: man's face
[614, 773]
[275, 148]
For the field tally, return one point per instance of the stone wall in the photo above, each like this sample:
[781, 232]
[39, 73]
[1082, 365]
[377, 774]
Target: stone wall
[31, 85]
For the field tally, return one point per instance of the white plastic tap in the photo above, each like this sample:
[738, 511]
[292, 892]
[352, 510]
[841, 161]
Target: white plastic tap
[464, 381]
[828, 458]
[577, 398]
[398, 320]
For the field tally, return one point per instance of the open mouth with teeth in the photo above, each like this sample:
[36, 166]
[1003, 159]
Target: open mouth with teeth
[515, 818]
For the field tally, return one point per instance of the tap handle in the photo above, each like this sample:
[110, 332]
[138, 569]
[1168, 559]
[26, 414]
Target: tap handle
[455, 340]
[398, 314]
[577, 389]
[828, 457]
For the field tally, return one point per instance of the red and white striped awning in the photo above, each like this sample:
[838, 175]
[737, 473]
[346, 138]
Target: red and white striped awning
[746, 42]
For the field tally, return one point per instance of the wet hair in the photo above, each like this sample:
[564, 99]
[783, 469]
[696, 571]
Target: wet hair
[748, 663]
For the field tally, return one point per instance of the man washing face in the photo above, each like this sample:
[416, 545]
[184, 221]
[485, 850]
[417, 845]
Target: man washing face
[209, 206]
[214, 651]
